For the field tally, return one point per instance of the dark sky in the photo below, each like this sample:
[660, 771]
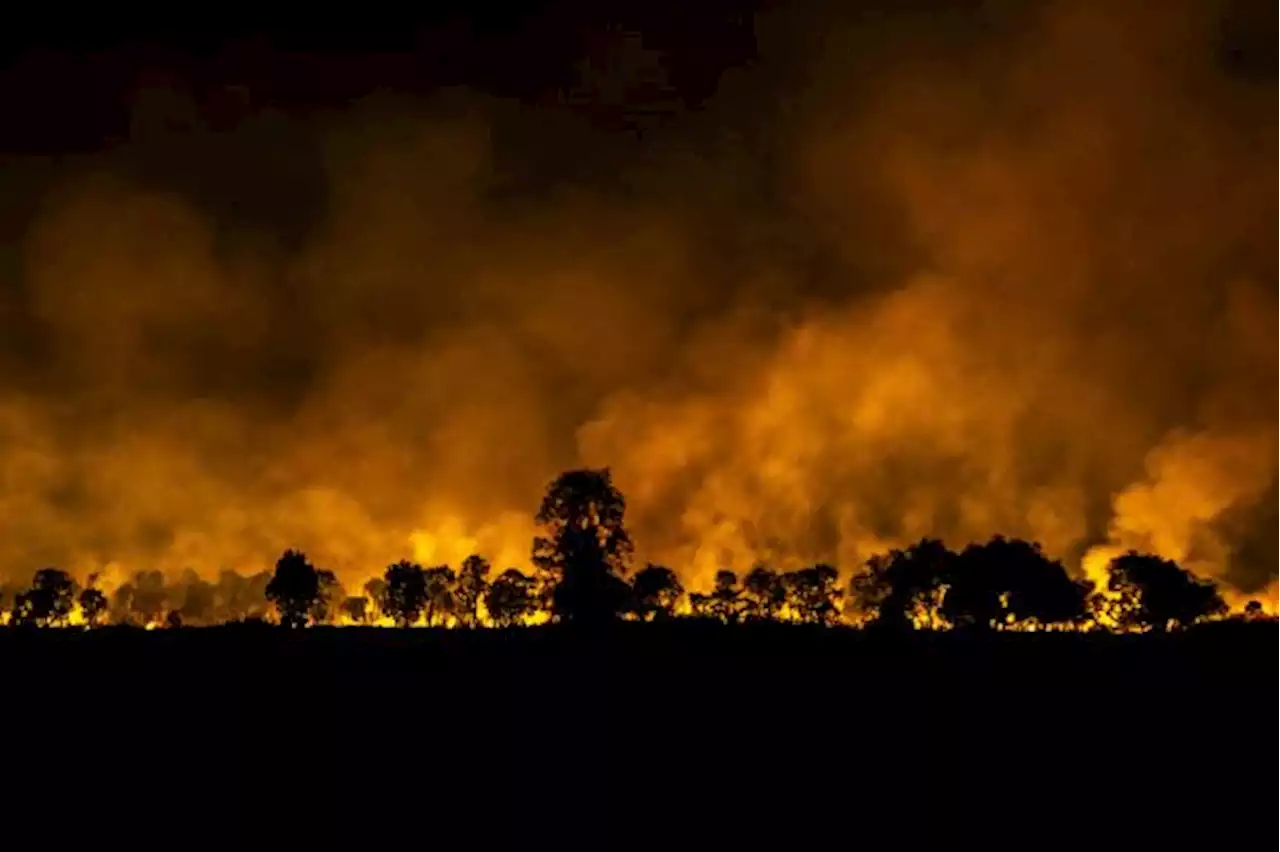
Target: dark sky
[75, 85]
[69, 80]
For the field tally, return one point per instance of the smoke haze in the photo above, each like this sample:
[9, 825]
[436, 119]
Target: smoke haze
[1008, 270]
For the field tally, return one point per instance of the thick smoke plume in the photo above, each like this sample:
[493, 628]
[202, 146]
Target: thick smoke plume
[1009, 271]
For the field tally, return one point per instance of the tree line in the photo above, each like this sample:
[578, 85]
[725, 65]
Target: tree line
[582, 575]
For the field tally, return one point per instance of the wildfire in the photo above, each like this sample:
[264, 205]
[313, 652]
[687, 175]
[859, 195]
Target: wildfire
[926, 615]
[989, 295]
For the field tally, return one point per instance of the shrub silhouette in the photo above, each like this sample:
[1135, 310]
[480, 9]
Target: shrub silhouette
[1008, 581]
[1160, 594]
[765, 593]
[375, 591]
[813, 594]
[49, 601]
[510, 598]
[655, 591]
[356, 608]
[724, 603]
[896, 588]
[329, 596]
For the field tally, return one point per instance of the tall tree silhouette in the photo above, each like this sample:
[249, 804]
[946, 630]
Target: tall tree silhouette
[510, 598]
[584, 549]
[93, 602]
[473, 580]
[1159, 593]
[404, 596]
[49, 600]
[896, 588]
[655, 591]
[294, 589]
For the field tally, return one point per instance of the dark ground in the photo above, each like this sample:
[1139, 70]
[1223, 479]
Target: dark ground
[646, 738]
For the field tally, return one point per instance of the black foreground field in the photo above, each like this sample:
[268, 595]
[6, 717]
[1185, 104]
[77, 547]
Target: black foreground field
[687, 736]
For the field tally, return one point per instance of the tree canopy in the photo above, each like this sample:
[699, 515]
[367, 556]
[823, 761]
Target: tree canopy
[582, 556]
[297, 588]
[583, 549]
[1158, 593]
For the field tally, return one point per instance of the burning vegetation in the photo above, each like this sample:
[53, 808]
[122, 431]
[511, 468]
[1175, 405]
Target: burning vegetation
[877, 279]
[582, 559]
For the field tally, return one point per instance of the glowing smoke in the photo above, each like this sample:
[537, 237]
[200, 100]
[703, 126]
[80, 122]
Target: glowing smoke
[1009, 273]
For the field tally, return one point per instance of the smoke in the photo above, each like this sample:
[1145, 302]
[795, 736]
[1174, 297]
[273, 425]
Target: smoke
[1083, 353]
[1006, 270]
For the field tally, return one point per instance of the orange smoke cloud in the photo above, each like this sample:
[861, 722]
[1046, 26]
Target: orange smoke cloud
[1010, 274]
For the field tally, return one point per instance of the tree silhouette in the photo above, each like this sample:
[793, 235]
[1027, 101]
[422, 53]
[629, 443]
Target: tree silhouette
[510, 598]
[473, 580]
[150, 599]
[239, 598]
[199, 601]
[440, 583]
[764, 593]
[330, 594]
[655, 591]
[723, 603]
[404, 595]
[1010, 581]
[1159, 593]
[375, 591]
[294, 589]
[49, 600]
[121, 608]
[93, 603]
[584, 549]
[814, 595]
[897, 588]
[993, 585]
[356, 609]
